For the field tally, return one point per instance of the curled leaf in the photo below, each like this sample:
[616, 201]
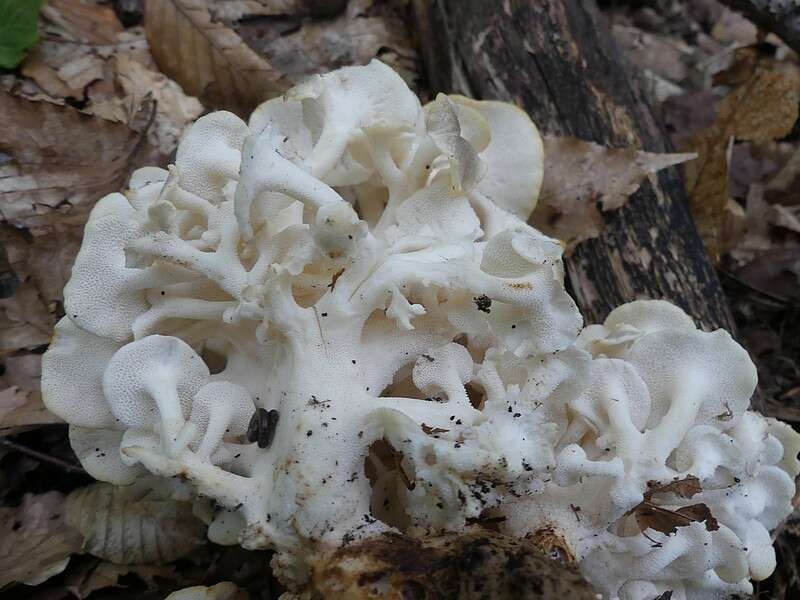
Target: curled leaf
[58, 162]
[133, 525]
[650, 516]
[432, 430]
[581, 179]
[763, 107]
[84, 21]
[58, 155]
[221, 591]
[208, 59]
[683, 488]
[35, 541]
[20, 399]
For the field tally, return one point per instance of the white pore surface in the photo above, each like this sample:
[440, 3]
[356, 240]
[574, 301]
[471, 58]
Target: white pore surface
[362, 265]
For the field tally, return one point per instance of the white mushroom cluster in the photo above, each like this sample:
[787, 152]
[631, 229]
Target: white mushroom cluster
[335, 322]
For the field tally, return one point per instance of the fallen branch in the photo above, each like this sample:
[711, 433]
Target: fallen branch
[61, 464]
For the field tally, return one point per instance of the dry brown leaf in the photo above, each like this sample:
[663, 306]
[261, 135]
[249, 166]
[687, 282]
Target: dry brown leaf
[663, 60]
[775, 271]
[233, 10]
[38, 537]
[699, 513]
[209, 60]
[35, 541]
[175, 110]
[113, 81]
[432, 430]
[58, 162]
[57, 155]
[785, 217]
[133, 525]
[48, 78]
[42, 254]
[764, 107]
[664, 55]
[57, 70]
[707, 185]
[30, 415]
[784, 187]
[649, 515]
[93, 574]
[733, 28]
[84, 22]
[25, 321]
[298, 47]
[744, 64]
[81, 72]
[20, 399]
[11, 399]
[40, 257]
[683, 488]
[583, 178]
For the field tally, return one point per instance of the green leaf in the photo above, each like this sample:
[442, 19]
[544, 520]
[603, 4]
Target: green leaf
[18, 19]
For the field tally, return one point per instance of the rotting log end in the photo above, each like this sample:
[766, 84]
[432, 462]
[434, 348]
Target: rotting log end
[475, 564]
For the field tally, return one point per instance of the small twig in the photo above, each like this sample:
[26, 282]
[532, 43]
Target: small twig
[62, 464]
[60, 40]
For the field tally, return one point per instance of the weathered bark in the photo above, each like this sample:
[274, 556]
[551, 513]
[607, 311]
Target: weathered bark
[558, 61]
[781, 17]
[476, 564]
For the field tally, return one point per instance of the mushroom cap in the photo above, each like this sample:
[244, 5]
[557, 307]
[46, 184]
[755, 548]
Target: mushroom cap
[628, 322]
[73, 368]
[98, 297]
[230, 402]
[99, 453]
[209, 154]
[436, 369]
[616, 381]
[155, 364]
[514, 157]
[711, 366]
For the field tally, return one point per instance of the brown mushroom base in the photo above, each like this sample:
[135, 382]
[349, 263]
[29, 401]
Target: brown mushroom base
[477, 563]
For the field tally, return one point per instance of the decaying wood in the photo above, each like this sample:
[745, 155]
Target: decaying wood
[781, 17]
[558, 61]
[478, 563]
